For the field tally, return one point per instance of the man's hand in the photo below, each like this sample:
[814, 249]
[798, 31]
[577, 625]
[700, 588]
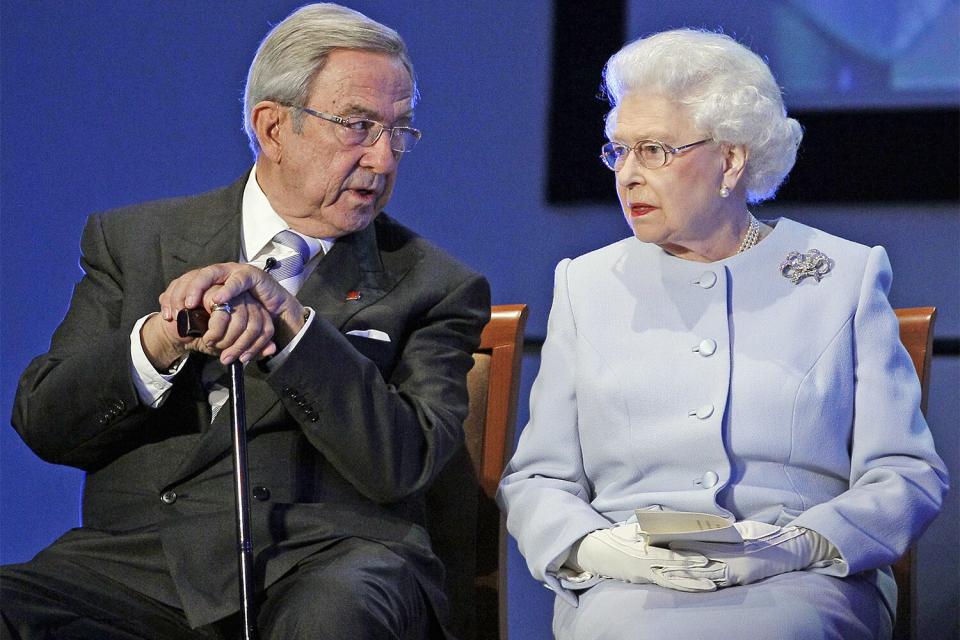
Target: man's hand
[264, 317]
[766, 550]
[195, 287]
[245, 333]
[623, 553]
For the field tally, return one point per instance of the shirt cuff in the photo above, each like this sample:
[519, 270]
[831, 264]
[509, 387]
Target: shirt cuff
[152, 386]
[275, 362]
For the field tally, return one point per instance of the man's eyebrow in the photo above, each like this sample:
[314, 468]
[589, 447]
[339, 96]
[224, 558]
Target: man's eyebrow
[365, 112]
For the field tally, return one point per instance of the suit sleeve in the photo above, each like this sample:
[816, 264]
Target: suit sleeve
[897, 481]
[544, 491]
[389, 436]
[77, 405]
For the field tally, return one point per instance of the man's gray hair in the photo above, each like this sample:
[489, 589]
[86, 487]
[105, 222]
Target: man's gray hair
[726, 88]
[296, 49]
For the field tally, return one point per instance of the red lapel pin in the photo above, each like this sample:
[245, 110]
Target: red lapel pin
[353, 296]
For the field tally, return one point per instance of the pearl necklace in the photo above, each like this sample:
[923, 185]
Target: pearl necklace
[752, 237]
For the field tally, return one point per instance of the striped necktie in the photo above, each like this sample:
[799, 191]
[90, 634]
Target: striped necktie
[288, 271]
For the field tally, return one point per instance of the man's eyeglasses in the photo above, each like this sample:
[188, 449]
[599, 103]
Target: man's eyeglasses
[652, 154]
[355, 131]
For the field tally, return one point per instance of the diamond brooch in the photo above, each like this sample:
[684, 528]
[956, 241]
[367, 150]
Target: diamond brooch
[798, 266]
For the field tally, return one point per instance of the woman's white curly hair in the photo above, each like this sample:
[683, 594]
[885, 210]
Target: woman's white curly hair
[728, 90]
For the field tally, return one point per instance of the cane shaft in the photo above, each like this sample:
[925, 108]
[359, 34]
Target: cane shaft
[193, 323]
[238, 423]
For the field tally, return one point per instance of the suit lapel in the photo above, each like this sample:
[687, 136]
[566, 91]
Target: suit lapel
[352, 268]
[207, 231]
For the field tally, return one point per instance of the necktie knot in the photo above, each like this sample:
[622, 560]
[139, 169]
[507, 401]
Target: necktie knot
[290, 266]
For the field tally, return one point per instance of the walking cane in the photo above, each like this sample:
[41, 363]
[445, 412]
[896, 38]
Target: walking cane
[193, 323]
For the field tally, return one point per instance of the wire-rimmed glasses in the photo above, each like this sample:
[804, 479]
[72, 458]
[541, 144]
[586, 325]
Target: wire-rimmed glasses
[652, 154]
[357, 131]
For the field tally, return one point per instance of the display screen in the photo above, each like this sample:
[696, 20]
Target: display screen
[832, 54]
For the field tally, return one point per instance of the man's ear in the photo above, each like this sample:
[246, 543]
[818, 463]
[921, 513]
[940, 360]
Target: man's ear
[267, 118]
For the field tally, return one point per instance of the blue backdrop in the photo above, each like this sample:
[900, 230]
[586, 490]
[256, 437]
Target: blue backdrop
[109, 103]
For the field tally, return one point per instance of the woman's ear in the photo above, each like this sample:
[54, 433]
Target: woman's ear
[734, 164]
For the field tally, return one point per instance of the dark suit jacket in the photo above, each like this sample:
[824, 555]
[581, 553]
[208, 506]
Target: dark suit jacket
[343, 438]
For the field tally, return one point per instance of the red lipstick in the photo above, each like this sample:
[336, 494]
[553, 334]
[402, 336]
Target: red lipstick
[640, 209]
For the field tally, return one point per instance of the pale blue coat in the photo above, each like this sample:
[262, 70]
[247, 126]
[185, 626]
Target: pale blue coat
[725, 388]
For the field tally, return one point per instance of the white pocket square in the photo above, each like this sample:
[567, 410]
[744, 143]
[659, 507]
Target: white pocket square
[373, 334]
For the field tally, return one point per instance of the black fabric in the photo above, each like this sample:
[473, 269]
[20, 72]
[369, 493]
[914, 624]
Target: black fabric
[352, 589]
[54, 597]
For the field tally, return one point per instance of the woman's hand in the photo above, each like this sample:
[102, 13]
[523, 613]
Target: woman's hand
[766, 550]
[622, 553]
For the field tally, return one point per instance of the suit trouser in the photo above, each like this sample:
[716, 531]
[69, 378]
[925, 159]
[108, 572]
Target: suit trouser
[353, 589]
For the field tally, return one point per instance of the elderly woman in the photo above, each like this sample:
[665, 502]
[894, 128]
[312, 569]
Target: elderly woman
[717, 364]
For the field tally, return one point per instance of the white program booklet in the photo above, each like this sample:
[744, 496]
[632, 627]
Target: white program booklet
[662, 527]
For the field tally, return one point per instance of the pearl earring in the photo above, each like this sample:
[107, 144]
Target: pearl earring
[724, 191]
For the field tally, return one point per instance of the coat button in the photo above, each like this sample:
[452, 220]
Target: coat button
[706, 348]
[169, 497]
[261, 493]
[707, 480]
[703, 412]
[706, 280]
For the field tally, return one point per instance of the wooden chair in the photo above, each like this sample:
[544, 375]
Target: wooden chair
[916, 334]
[465, 526]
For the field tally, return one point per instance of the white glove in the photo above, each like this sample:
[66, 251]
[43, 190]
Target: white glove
[766, 550]
[623, 553]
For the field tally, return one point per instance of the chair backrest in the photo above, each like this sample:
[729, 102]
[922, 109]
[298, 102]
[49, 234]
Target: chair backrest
[916, 334]
[465, 526]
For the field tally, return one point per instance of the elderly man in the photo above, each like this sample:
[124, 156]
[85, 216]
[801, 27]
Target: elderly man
[356, 335]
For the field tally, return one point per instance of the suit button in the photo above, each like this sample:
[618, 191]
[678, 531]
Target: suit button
[301, 402]
[169, 497]
[706, 348]
[261, 493]
[703, 412]
[706, 280]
